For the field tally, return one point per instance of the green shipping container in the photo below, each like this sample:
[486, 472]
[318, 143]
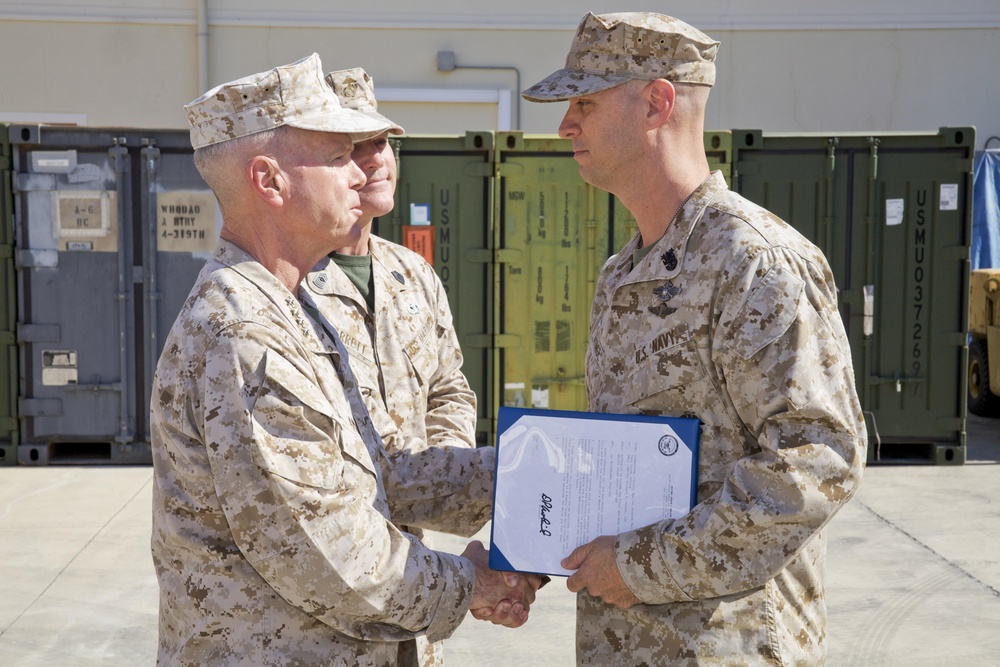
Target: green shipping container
[893, 214]
[443, 209]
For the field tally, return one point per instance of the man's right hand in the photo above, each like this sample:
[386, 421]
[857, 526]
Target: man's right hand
[500, 597]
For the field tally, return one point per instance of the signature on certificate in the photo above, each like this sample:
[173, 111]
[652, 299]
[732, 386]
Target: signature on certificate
[545, 509]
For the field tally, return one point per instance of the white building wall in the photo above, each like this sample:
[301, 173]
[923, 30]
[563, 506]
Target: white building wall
[821, 66]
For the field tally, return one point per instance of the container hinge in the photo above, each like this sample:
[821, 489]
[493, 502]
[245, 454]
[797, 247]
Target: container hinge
[30, 258]
[34, 182]
[509, 256]
[39, 333]
[477, 170]
[39, 407]
[506, 341]
[479, 341]
[505, 169]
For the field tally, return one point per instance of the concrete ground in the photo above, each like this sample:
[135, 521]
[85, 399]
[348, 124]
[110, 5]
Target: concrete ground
[913, 569]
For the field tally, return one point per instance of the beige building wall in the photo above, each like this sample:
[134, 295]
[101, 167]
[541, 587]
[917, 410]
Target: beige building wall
[833, 66]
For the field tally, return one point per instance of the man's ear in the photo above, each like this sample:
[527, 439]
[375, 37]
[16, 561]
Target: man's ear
[267, 180]
[659, 95]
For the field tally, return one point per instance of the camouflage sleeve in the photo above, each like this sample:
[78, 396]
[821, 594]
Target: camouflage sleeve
[297, 489]
[445, 487]
[451, 403]
[784, 359]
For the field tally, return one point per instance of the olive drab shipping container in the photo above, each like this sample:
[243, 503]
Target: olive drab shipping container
[554, 233]
[8, 311]
[112, 228]
[443, 210]
[892, 213]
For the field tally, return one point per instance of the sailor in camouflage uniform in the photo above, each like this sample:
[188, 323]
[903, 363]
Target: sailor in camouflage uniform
[393, 315]
[272, 539]
[718, 310]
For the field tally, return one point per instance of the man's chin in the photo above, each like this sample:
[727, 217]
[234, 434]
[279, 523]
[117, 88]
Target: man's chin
[376, 206]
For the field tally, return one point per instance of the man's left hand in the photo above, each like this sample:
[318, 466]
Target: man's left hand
[597, 571]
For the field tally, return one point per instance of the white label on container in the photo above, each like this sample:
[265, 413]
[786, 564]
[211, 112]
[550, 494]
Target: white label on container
[420, 214]
[893, 212]
[59, 367]
[949, 197]
[186, 221]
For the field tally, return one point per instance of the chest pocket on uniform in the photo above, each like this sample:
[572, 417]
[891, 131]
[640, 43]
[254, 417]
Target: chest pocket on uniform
[666, 362]
[423, 357]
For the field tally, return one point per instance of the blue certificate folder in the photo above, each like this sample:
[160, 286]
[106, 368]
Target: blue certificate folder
[564, 478]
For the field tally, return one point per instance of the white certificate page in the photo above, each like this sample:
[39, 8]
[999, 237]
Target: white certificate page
[564, 478]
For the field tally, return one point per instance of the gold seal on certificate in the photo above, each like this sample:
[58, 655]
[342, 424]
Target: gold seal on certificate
[564, 478]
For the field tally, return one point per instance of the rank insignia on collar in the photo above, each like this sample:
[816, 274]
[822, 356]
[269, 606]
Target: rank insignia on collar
[669, 259]
[399, 277]
[667, 291]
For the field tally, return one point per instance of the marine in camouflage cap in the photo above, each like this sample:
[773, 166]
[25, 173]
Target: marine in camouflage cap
[296, 95]
[356, 90]
[611, 49]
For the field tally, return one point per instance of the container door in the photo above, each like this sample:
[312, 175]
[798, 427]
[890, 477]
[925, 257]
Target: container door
[444, 211]
[75, 296]
[911, 232]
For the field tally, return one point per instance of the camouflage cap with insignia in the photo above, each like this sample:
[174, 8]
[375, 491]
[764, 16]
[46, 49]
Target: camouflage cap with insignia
[296, 95]
[611, 49]
[356, 90]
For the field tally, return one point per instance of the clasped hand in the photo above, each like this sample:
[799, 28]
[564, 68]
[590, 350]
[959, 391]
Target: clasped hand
[502, 598]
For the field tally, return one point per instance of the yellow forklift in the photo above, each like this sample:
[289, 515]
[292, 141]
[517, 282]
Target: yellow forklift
[984, 343]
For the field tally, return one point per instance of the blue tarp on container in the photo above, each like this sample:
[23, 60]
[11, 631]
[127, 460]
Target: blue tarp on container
[985, 247]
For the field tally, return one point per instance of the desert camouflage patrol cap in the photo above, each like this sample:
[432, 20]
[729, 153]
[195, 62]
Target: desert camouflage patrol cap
[356, 90]
[610, 49]
[296, 95]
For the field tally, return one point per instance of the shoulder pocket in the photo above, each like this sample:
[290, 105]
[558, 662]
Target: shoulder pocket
[768, 314]
[300, 434]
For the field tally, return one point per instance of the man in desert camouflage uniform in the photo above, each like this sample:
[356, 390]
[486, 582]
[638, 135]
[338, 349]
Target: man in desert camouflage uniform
[272, 539]
[393, 315]
[716, 310]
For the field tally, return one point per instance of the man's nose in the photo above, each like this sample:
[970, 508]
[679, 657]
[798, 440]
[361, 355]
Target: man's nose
[357, 176]
[367, 156]
[568, 128]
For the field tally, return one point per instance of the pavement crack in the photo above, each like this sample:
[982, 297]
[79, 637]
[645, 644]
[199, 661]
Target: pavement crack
[927, 547]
